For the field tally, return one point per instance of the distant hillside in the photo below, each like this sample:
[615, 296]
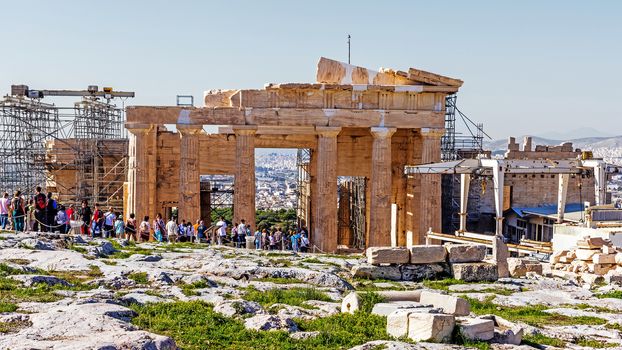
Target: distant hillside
[609, 148]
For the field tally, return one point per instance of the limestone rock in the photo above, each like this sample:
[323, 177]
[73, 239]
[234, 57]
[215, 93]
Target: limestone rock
[556, 256]
[238, 307]
[436, 327]
[397, 323]
[427, 254]
[141, 298]
[517, 267]
[304, 335]
[512, 336]
[387, 255]
[369, 271]
[37, 244]
[398, 345]
[449, 303]
[30, 280]
[476, 328]
[462, 253]
[385, 309]
[270, 323]
[474, 272]
[144, 258]
[422, 272]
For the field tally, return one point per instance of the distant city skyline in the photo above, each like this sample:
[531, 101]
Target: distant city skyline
[529, 67]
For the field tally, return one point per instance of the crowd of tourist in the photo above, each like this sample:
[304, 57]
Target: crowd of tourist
[45, 214]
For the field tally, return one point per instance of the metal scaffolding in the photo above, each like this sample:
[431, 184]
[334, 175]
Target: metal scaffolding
[303, 188]
[39, 141]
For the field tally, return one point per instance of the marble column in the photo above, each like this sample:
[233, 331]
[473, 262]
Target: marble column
[325, 218]
[244, 186]
[189, 207]
[380, 201]
[138, 176]
[430, 209]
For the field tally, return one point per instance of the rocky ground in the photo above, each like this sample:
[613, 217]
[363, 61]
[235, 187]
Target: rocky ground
[62, 292]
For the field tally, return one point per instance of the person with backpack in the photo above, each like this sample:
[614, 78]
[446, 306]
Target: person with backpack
[85, 213]
[145, 230]
[51, 209]
[40, 219]
[97, 222]
[18, 212]
[119, 226]
[130, 227]
[304, 243]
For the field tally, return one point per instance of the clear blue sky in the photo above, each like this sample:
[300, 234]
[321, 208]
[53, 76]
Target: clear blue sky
[529, 66]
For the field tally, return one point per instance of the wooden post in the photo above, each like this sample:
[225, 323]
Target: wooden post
[325, 218]
[189, 176]
[244, 188]
[380, 215]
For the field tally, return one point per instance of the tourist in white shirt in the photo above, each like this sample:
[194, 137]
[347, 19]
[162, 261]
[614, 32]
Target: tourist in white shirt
[172, 230]
[4, 210]
[222, 230]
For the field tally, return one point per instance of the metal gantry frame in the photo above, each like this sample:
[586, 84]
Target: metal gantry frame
[27, 125]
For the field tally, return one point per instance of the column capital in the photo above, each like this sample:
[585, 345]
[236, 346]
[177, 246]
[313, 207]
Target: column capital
[328, 131]
[139, 128]
[244, 129]
[186, 129]
[432, 132]
[381, 132]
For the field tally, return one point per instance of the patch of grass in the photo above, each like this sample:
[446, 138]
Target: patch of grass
[280, 280]
[617, 294]
[442, 284]
[194, 325]
[78, 248]
[19, 261]
[7, 307]
[533, 315]
[12, 327]
[592, 343]
[293, 296]
[109, 262]
[460, 339]
[280, 262]
[312, 261]
[368, 300]
[339, 256]
[124, 252]
[138, 277]
[614, 326]
[277, 254]
[538, 339]
[94, 271]
[189, 289]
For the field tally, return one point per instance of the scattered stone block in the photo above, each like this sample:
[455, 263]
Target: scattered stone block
[604, 259]
[388, 255]
[601, 269]
[369, 271]
[517, 267]
[427, 254]
[476, 328]
[609, 249]
[591, 242]
[270, 323]
[420, 272]
[397, 323]
[462, 253]
[449, 303]
[556, 256]
[435, 327]
[586, 254]
[590, 278]
[618, 258]
[351, 303]
[385, 309]
[613, 277]
[513, 336]
[475, 272]
[534, 266]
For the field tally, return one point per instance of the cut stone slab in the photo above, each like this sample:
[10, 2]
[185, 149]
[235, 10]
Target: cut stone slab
[481, 287]
[609, 249]
[477, 328]
[352, 301]
[397, 323]
[369, 271]
[517, 267]
[555, 257]
[427, 254]
[435, 327]
[461, 253]
[513, 336]
[385, 309]
[586, 254]
[387, 255]
[449, 303]
[475, 272]
[604, 259]
[592, 242]
[270, 323]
